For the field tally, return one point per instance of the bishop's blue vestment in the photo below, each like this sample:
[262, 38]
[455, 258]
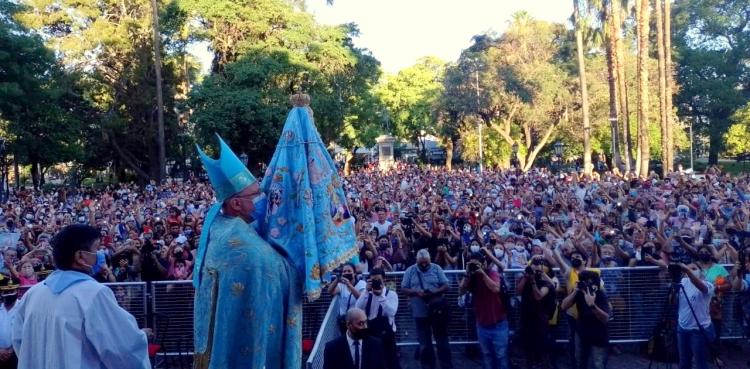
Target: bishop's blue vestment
[248, 303]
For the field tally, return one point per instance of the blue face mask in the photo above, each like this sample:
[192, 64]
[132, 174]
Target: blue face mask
[260, 203]
[101, 260]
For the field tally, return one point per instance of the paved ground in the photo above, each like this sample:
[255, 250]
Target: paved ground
[621, 357]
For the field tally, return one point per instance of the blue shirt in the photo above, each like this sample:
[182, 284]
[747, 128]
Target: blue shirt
[432, 279]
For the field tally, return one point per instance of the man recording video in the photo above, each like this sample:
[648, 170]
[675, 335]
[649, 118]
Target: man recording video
[695, 331]
[592, 335]
[489, 309]
[380, 304]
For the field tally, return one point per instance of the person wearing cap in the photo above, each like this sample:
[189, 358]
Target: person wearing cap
[248, 301]
[66, 321]
[9, 292]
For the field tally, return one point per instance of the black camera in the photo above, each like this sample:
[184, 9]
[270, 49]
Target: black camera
[675, 272]
[528, 270]
[473, 267]
[377, 284]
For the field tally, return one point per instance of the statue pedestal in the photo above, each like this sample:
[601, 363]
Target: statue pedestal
[385, 152]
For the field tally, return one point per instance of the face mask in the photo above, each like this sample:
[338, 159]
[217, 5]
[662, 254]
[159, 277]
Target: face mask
[474, 248]
[348, 276]
[499, 253]
[362, 333]
[576, 263]
[607, 260]
[704, 257]
[258, 215]
[424, 268]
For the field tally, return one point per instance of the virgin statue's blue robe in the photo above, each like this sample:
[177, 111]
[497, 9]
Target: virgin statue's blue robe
[247, 291]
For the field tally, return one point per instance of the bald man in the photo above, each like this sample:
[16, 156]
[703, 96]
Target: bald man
[356, 349]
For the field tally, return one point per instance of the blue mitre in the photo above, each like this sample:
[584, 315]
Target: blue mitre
[227, 174]
[228, 177]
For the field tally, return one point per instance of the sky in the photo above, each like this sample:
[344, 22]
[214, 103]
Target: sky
[399, 32]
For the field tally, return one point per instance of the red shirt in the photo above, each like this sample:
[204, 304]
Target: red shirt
[488, 306]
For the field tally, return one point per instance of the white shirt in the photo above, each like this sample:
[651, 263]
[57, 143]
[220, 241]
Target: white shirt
[350, 340]
[346, 299]
[388, 299]
[382, 228]
[82, 327]
[700, 302]
[5, 319]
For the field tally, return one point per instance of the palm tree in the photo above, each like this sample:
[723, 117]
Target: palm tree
[612, 32]
[587, 166]
[668, 72]
[662, 87]
[622, 87]
[642, 16]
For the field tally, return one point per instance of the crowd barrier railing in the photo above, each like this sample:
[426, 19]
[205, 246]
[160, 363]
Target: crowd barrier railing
[637, 296]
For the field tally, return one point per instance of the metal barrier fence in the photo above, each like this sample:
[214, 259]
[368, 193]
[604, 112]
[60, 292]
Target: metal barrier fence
[637, 295]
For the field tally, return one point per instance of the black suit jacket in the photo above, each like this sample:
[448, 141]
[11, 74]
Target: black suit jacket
[337, 355]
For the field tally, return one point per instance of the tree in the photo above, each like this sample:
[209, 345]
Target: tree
[587, 166]
[642, 32]
[40, 108]
[661, 51]
[711, 38]
[526, 89]
[109, 44]
[622, 87]
[612, 34]
[737, 138]
[669, 73]
[411, 97]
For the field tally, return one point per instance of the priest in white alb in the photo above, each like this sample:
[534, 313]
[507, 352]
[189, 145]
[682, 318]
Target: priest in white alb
[72, 321]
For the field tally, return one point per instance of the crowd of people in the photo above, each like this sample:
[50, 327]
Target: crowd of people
[423, 221]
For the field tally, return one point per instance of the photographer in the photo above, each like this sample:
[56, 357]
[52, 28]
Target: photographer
[381, 304]
[591, 333]
[349, 288]
[425, 283]
[489, 310]
[537, 291]
[695, 331]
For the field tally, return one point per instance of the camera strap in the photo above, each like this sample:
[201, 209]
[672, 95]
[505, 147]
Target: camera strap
[711, 348]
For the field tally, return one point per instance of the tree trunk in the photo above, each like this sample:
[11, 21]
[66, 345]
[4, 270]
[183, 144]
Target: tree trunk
[162, 159]
[612, 79]
[668, 72]
[622, 86]
[642, 30]
[662, 86]
[35, 173]
[715, 144]
[449, 154]
[349, 160]
[16, 173]
[587, 167]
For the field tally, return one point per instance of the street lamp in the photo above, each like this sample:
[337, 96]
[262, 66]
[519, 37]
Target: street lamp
[514, 154]
[243, 159]
[558, 147]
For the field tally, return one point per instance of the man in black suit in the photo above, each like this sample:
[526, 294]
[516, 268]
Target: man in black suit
[356, 349]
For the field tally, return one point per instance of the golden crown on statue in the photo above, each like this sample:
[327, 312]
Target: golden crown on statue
[300, 99]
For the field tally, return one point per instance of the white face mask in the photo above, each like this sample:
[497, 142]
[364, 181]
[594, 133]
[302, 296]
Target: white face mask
[499, 253]
[474, 248]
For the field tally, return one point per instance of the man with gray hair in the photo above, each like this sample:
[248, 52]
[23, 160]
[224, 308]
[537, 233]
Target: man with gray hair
[425, 283]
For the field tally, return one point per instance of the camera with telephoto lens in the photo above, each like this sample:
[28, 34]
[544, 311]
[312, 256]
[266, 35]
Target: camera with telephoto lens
[585, 286]
[377, 284]
[675, 272]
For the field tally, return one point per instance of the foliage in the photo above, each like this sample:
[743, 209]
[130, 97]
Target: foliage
[737, 137]
[712, 40]
[411, 97]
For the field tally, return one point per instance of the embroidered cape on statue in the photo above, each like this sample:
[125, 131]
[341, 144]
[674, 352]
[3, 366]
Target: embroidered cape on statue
[307, 210]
